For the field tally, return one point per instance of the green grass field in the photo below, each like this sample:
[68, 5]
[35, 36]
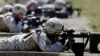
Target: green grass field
[90, 9]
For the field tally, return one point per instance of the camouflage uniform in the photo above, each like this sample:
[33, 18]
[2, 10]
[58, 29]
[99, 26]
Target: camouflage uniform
[20, 42]
[10, 21]
[37, 40]
[6, 8]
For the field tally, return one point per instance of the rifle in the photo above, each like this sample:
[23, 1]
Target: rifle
[78, 48]
[31, 22]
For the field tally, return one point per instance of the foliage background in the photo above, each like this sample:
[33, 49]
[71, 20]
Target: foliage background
[90, 9]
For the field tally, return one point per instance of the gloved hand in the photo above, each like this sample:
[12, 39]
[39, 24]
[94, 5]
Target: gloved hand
[64, 36]
[62, 41]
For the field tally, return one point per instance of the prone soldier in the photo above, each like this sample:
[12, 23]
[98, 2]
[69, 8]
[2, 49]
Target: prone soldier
[47, 39]
[14, 21]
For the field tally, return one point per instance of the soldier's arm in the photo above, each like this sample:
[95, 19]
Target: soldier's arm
[45, 45]
[10, 23]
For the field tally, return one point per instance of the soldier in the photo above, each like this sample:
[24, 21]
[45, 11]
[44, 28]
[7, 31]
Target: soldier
[6, 8]
[48, 10]
[69, 8]
[33, 9]
[51, 1]
[42, 2]
[60, 9]
[13, 22]
[59, 4]
[39, 40]
[33, 16]
[5, 11]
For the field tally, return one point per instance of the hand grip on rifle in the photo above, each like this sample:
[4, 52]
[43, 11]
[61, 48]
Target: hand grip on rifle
[64, 35]
[62, 41]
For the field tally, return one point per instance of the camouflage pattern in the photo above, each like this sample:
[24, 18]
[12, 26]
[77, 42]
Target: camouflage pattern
[19, 8]
[6, 8]
[12, 43]
[53, 25]
[3, 26]
[45, 44]
[32, 41]
[10, 23]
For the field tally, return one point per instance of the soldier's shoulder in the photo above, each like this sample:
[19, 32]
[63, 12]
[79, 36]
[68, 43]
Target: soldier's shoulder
[9, 13]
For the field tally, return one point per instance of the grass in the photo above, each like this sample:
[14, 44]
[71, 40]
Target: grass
[2, 3]
[91, 9]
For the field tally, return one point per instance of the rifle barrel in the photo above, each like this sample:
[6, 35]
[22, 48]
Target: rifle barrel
[84, 34]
